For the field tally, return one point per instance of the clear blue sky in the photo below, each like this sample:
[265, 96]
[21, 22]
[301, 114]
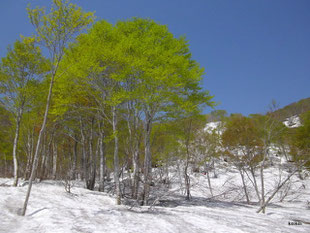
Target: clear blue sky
[253, 51]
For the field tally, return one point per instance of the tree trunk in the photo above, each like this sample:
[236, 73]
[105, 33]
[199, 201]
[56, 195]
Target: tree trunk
[55, 155]
[255, 183]
[147, 159]
[262, 202]
[84, 157]
[134, 140]
[102, 160]
[15, 145]
[187, 180]
[186, 176]
[36, 155]
[5, 166]
[262, 207]
[262, 179]
[116, 158]
[213, 166]
[43, 152]
[90, 182]
[244, 186]
[135, 188]
[209, 182]
[74, 165]
[29, 155]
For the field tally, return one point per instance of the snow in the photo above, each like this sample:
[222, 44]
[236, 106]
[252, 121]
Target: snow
[211, 126]
[292, 122]
[51, 209]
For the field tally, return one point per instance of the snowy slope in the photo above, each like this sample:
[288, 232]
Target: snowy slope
[211, 126]
[51, 209]
[292, 122]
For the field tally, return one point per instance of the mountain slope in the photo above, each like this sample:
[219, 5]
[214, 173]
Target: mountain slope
[293, 109]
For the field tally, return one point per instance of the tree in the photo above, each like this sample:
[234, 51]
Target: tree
[20, 70]
[271, 132]
[167, 79]
[207, 147]
[190, 125]
[54, 31]
[5, 139]
[217, 115]
[300, 141]
[243, 145]
[137, 63]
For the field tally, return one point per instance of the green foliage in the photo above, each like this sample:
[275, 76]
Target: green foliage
[270, 129]
[169, 137]
[137, 59]
[59, 26]
[296, 108]
[20, 73]
[242, 140]
[6, 135]
[165, 142]
[300, 142]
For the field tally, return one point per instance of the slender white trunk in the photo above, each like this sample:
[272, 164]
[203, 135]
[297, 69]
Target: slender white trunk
[55, 154]
[92, 164]
[36, 155]
[136, 141]
[209, 182]
[262, 202]
[30, 147]
[187, 180]
[84, 159]
[244, 186]
[116, 158]
[135, 173]
[43, 152]
[134, 147]
[15, 145]
[74, 160]
[102, 165]
[186, 176]
[147, 159]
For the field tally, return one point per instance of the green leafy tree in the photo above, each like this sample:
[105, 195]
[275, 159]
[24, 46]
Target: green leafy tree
[168, 79]
[300, 142]
[5, 139]
[243, 145]
[138, 61]
[20, 71]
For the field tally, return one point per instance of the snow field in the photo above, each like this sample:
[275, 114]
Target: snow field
[51, 209]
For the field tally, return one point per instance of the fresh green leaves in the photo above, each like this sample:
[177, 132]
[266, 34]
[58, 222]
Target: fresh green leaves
[20, 72]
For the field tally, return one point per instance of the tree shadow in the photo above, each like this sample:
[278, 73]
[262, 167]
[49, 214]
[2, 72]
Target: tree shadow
[37, 211]
[179, 200]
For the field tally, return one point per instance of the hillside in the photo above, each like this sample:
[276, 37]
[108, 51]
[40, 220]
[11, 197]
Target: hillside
[293, 109]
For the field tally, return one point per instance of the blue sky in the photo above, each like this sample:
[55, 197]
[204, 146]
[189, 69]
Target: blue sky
[252, 51]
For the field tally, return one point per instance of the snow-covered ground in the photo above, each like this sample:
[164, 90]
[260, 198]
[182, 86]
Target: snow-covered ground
[51, 209]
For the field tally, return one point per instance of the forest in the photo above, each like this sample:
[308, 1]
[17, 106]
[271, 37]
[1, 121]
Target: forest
[119, 106]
